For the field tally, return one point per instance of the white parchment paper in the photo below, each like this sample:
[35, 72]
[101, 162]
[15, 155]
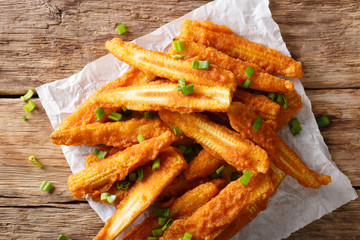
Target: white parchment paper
[293, 206]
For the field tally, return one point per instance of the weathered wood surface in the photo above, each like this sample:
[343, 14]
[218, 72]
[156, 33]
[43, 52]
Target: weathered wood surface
[42, 41]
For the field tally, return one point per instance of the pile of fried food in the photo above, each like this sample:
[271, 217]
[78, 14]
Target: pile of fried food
[207, 149]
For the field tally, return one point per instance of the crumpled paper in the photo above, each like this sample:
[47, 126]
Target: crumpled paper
[293, 206]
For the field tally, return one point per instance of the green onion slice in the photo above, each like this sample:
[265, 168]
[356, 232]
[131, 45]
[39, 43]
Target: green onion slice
[111, 199]
[28, 95]
[115, 116]
[151, 238]
[249, 71]
[132, 177]
[46, 186]
[235, 176]
[246, 177]
[247, 83]
[149, 114]
[161, 221]
[178, 46]
[257, 123]
[182, 148]
[63, 237]
[124, 108]
[185, 89]
[157, 232]
[167, 224]
[32, 158]
[187, 236]
[323, 121]
[214, 175]
[156, 164]
[295, 126]
[123, 185]
[99, 113]
[176, 131]
[99, 154]
[279, 98]
[162, 212]
[24, 118]
[271, 95]
[140, 173]
[176, 56]
[104, 196]
[219, 170]
[286, 104]
[30, 106]
[121, 29]
[196, 64]
[140, 138]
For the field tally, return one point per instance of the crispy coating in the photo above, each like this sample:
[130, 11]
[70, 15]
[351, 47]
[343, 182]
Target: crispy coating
[242, 120]
[91, 158]
[220, 141]
[100, 176]
[209, 220]
[260, 80]
[260, 104]
[120, 134]
[182, 207]
[144, 193]
[85, 113]
[285, 115]
[164, 66]
[202, 166]
[223, 39]
[165, 95]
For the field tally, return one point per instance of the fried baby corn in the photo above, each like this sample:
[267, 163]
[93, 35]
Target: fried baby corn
[285, 115]
[144, 193]
[164, 66]
[100, 176]
[242, 120]
[210, 219]
[120, 134]
[223, 39]
[220, 141]
[260, 80]
[165, 95]
[85, 113]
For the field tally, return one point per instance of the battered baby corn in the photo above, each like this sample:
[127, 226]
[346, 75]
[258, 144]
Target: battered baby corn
[223, 39]
[242, 120]
[220, 141]
[285, 115]
[260, 80]
[100, 176]
[164, 66]
[120, 134]
[143, 194]
[85, 113]
[165, 95]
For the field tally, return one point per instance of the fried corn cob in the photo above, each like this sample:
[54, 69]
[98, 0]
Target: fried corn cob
[164, 66]
[202, 166]
[85, 113]
[285, 115]
[220, 141]
[260, 80]
[165, 95]
[120, 134]
[223, 39]
[91, 158]
[209, 220]
[144, 193]
[242, 120]
[100, 176]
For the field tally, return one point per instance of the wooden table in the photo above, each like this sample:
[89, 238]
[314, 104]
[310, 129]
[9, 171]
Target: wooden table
[43, 41]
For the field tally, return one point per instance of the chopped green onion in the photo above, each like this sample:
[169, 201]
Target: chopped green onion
[187, 236]
[181, 84]
[182, 148]
[151, 238]
[323, 121]
[157, 232]
[196, 64]
[178, 46]
[219, 170]
[176, 56]
[140, 173]
[295, 126]
[162, 212]
[214, 175]
[167, 224]
[235, 176]
[149, 114]
[271, 95]
[189, 150]
[247, 83]
[185, 89]
[249, 71]
[104, 196]
[30, 106]
[24, 118]
[99, 154]
[111, 199]
[46, 186]
[257, 123]
[115, 116]
[279, 98]
[246, 177]
[132, 177]
[124, 108]
[156, 164]
[123, 185]
[286, 104]
[161, 220]
[28, 95]
[176, 131]
[99, 113]
[63, 237]
[140, 138]
[34, 161]
[121, 29]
